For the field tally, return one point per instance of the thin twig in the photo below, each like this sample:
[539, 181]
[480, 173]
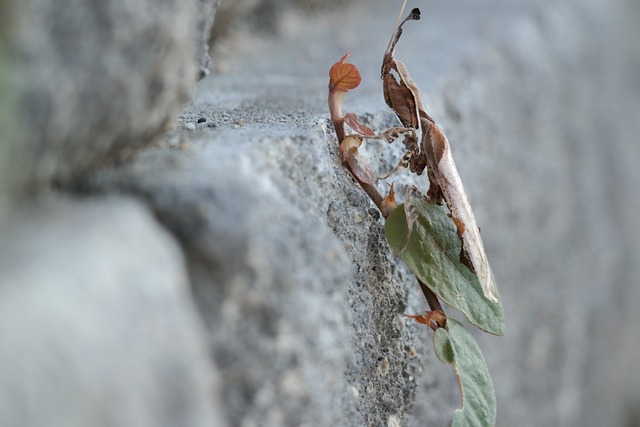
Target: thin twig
[371, 191]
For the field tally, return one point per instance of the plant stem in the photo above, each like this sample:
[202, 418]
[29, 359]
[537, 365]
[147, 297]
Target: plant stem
[338, 125]
[371, 191]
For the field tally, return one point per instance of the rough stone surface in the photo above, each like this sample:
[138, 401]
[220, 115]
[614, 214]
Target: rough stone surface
[96, 323]
[538, 115]
[301, 296]
[270, 279]
[101, 78]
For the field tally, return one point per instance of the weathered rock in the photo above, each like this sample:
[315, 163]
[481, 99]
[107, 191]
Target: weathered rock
[97, 326]
[269, 278]
[100, 79]
[539, 118]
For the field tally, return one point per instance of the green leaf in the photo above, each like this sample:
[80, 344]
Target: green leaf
[455, 345]
[432, 252]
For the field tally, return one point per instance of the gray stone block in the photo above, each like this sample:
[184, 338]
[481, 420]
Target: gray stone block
[269, 278]
[97, 327]
[303, 299]
[100, 79]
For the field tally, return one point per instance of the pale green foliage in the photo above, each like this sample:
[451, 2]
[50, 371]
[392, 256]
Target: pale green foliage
[432, 252]
[455, 345]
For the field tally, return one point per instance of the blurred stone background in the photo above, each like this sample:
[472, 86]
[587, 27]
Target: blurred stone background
[184, 253]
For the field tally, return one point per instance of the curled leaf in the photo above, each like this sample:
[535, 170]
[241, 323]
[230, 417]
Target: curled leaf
[344, 76]
[400, 95]
[350, 145]
[455, 345]
[445, 174]
[434, 153]
[351, 120]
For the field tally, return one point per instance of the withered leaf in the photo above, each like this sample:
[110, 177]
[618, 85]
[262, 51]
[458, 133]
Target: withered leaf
[400, 99]
[402, 95]
[445, 173]
[434, 153]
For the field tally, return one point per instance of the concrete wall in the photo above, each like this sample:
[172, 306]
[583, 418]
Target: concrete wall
[233, 272]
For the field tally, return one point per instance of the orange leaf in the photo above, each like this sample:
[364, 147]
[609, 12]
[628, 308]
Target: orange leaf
[344, 76]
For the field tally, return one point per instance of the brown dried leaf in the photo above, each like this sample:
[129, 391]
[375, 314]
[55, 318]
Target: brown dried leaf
[400, 99]
[403, 97]
[445, 173]
[398, 95]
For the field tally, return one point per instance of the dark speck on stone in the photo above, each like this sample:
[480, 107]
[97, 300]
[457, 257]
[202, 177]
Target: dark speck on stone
[374, 213]
[202, 120]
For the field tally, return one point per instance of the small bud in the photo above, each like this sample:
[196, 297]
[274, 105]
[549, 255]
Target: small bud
[388, 203]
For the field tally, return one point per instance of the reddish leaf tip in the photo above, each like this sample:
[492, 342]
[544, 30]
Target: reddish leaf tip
[434, 319]
[389, 202]
[351, 119]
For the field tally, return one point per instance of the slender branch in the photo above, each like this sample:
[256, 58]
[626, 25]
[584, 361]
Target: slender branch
[371, 190]
[338, 125]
